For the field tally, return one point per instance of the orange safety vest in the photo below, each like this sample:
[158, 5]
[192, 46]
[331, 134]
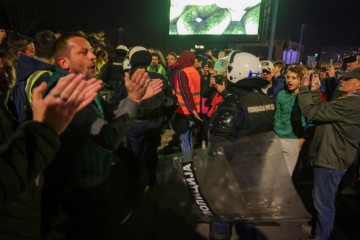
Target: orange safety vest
[195, 88]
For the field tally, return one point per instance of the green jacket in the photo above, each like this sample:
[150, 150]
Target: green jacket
[288, 123]
[335, 144]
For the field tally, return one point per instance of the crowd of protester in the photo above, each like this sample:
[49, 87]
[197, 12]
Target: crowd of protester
[61, 135]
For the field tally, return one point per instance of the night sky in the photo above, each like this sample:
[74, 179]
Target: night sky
[145, 22]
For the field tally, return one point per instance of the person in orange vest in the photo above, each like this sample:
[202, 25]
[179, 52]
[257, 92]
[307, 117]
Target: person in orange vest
[187, 85]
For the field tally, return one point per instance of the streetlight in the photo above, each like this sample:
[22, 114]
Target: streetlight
[301, 36]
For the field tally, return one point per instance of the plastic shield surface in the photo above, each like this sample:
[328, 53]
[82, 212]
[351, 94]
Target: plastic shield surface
[250, 182]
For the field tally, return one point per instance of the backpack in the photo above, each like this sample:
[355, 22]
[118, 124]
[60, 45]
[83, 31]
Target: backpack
[20, 95]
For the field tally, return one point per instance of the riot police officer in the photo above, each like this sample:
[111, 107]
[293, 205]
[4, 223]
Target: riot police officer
[244, 111]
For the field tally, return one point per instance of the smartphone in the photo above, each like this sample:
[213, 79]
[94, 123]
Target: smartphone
[331, 61]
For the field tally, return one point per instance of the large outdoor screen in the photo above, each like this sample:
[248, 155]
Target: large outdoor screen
[214, 17]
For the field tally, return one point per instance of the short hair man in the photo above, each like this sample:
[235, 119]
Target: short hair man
[173, 67]
[155, 66]
[279, 68]
[267, 68]
[74, 182]
[31, 71]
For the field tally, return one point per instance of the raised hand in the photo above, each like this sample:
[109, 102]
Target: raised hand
[70, 95]
[137, 85]
[155, 87]
[141, 87]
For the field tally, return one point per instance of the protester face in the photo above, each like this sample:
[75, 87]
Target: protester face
[154, 60]
[81, 57]
[171, 60]
[277, 71]
[349, 86]
[30, 50]
[7, 75]
[266, 74]
[293, 82]
[212, 77]
[206, 68]
[197, 63]
[315, 77]
[322, 75]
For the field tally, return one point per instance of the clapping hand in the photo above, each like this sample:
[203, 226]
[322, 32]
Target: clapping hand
[69, 96]
[141, 87]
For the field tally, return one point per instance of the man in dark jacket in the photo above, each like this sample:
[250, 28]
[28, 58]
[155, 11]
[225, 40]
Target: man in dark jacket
[144, 136]
[74, 182]
[173, 67]
[30, 73]
[25, 153]
[335, 144]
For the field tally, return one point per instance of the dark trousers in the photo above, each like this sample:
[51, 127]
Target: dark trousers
[144, 137]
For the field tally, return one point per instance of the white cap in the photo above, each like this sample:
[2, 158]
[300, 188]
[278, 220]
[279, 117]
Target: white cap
[267, 65]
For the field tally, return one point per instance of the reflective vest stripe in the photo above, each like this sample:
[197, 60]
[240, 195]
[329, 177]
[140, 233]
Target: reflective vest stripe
[31, 80]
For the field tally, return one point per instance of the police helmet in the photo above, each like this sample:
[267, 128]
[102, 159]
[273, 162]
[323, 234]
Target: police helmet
[245, 70]
[122, 50]
[139, 56]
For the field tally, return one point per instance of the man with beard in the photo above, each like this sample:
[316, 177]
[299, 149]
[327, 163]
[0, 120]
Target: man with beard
[74, 182]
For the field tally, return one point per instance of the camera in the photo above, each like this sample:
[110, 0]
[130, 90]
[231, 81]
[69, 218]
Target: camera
[219, 79]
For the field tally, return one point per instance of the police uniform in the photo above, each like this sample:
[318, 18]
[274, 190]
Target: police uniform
[245, 111]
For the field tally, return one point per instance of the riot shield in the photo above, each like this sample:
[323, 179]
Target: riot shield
[245, 180]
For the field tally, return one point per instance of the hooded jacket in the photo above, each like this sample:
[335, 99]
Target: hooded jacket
[187, 84]
[26, 66]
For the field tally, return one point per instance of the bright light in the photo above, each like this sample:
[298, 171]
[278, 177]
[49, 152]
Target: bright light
[214, 17]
